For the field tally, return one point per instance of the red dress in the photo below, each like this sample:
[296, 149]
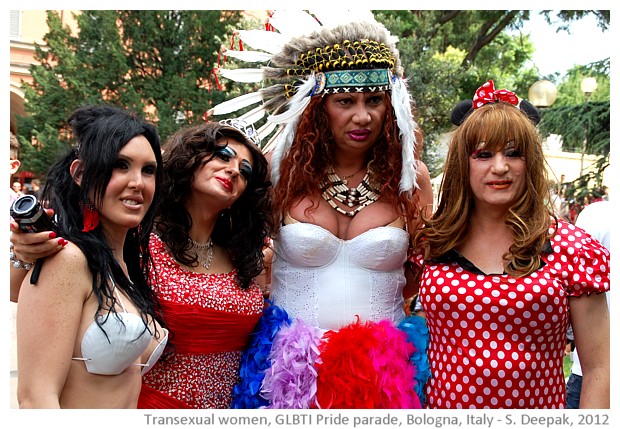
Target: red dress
[498, 341]
[210, 318]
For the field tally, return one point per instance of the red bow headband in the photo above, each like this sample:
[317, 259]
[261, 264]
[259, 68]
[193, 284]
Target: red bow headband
[488, 94]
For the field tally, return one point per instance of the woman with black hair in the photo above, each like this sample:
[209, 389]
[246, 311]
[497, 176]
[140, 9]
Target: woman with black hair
[207, 246]
[89, 327]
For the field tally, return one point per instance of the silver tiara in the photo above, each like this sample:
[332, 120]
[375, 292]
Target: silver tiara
[243, 126]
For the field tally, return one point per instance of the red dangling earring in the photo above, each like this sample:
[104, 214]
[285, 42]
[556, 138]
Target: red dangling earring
[91, 216]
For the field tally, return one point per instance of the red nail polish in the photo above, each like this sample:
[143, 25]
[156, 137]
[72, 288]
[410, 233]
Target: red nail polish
[62, 242]
[52, 234]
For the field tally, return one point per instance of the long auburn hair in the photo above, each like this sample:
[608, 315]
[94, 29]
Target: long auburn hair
[305, 165]
[242, 229]
[530, 215]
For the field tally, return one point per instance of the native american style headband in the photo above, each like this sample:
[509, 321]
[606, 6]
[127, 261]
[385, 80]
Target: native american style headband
[488, 94]
[314, 55]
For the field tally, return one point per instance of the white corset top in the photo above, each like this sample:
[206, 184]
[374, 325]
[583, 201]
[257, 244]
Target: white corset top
[328, 281]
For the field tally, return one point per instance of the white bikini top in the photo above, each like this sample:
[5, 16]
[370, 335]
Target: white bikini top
[127, 338]
[328, 281]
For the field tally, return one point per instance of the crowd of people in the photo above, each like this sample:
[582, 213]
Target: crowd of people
[215, 276]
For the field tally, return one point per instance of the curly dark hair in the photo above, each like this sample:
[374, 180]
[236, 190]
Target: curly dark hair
[101, 131]
[305, 166]
[184, 152]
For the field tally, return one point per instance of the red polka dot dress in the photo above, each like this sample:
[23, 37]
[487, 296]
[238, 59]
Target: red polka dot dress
[210, 318]
[498, 341]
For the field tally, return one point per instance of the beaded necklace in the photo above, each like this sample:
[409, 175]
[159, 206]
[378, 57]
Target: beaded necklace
[336, 189]
[204, 252]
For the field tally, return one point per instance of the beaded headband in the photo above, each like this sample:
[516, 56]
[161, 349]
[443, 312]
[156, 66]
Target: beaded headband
[313, 55]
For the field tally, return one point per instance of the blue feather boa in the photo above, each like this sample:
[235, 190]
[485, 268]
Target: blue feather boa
[417, 334]
[255, 359]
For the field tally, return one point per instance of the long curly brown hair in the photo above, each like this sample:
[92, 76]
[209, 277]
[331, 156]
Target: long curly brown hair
[530, 215]
[242, 229]
[305, 165]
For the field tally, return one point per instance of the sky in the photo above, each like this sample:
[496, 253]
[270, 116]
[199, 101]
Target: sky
[559, 52]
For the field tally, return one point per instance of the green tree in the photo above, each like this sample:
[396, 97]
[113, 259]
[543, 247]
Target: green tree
[161, 63]
[583, 123]
[157, 63]
[447, 54]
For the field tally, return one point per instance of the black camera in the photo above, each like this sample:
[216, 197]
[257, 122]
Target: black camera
[29, 215]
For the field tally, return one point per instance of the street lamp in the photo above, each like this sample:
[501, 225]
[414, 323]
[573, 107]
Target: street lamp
[542, 93]
[588, 86]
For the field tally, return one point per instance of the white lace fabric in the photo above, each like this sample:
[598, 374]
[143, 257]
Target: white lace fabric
[328, 281]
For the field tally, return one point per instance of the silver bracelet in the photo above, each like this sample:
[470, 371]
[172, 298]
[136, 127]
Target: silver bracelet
[18, 263]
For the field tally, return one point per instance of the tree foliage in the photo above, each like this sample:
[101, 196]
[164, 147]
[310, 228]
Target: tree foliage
[583, 122]
[161, 64]
[157, 63]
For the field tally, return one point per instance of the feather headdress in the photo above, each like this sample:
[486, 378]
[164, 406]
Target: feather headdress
[311, 55]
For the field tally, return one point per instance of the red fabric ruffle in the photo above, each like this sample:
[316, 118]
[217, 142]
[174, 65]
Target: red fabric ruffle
[200, 330]
[154, 399]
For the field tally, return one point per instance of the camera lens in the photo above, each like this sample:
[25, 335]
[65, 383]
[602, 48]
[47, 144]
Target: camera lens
[24, 204]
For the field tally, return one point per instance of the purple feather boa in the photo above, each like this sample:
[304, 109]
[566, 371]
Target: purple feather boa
[290, 383]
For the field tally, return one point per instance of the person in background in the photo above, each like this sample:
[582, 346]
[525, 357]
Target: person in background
[500, 271]
[89, 328]
[348, 191]
[14, 164]
[36, 188]
[17, 189]
[207, 249]
[596, 220]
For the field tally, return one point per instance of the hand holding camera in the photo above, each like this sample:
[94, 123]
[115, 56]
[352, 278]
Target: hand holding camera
[30, 216]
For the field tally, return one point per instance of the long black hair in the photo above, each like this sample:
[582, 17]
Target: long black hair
[242, 229]
[100, 132]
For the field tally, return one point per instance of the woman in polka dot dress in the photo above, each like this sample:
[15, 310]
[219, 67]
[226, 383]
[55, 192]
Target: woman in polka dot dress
[207, 251]
[500, 272]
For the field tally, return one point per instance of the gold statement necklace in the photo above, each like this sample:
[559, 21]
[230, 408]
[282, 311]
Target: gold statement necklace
[360, 197]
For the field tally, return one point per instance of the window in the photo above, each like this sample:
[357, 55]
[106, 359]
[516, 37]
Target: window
[16, 21]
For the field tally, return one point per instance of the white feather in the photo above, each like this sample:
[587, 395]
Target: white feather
[297, 104]
[330, 18]
[293, 111]
[237, 103]
[292, 23]
[282, 144]
[269, 41]
[243, 75]
[253, 115]
[272, 140]
[401, 102]
[266, 130]
[249, 56]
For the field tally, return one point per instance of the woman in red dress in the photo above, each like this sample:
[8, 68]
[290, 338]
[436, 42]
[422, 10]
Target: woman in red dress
[207, 249]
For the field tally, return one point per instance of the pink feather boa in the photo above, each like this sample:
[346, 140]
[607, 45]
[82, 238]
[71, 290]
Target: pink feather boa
[366, 365]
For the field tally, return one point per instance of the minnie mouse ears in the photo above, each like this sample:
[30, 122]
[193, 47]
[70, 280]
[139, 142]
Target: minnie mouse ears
[487, 94]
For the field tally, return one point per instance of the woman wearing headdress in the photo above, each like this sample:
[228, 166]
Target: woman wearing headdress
[500, 271]
[348, 191]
